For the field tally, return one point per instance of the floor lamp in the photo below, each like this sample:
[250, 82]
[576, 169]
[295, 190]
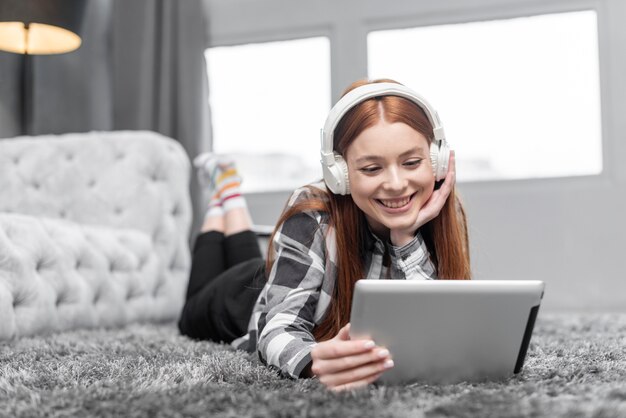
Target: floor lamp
[38, 27]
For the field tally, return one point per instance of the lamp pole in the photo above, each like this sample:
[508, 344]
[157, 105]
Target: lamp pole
[26, 87]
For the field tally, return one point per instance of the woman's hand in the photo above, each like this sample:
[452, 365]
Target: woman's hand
[431, 208]
[342, 363]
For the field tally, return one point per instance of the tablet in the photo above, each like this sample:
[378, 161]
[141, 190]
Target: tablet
[447, 331]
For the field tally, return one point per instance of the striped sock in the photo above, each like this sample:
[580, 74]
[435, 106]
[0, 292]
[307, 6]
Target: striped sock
[208, 170]
[214, 208]
[228, 184]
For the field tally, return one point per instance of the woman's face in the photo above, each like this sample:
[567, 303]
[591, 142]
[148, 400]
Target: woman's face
[390, 175]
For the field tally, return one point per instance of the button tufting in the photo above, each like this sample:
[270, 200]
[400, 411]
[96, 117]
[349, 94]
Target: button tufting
[61, 299]
[17, 301]
[88, 255]
[157, 287]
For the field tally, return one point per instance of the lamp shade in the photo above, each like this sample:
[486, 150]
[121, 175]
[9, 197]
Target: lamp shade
[40, 26]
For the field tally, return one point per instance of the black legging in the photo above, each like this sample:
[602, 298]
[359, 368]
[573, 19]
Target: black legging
[227, 275]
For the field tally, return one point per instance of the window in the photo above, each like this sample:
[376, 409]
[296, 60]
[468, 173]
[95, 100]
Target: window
[518, 98]
[268, 103]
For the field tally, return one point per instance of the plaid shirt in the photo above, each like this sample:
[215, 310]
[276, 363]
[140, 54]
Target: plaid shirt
[299, 288]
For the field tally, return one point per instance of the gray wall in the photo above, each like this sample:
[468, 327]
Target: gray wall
[569, 232]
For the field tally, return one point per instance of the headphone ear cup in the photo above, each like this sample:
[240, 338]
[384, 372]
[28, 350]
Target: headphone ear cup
[434, 157]
[440, 159]
[342, 166]
[336, 176]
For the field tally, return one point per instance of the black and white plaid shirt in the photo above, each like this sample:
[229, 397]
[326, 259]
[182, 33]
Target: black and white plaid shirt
[301, 282]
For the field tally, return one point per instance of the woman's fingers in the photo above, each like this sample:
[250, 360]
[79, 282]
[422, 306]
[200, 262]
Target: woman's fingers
[450, 179]
[344, 333]
[358, 374]
[432, 208]
[341, 364]
[332, 349]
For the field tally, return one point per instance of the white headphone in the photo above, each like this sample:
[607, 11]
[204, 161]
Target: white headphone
[334, 166]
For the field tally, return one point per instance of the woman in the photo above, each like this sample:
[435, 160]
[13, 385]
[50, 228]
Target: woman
[380, 214]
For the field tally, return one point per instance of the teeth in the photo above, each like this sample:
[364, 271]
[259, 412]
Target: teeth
[393, 204]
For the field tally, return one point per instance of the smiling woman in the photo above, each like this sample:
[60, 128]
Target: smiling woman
[387, 209]
[391, 177]
[383, 150]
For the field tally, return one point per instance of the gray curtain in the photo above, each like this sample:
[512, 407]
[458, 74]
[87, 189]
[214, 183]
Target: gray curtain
[141, 66]
[159, 74]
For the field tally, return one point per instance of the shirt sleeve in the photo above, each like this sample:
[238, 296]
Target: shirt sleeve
[291, 295]
[413, 260]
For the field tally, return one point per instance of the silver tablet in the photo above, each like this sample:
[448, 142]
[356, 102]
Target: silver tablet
[445, 331]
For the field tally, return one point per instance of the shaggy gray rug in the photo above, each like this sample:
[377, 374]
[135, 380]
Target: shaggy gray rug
[576, 367]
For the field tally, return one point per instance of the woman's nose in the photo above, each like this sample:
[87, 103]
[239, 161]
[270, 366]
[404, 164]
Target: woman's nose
[395, 179]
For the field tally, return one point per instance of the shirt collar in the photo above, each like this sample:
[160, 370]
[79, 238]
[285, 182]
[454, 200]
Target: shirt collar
[372, 241]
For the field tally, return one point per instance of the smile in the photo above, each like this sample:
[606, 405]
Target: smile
[395, 203]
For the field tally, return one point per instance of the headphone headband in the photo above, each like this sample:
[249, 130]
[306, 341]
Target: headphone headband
[335, 168]
[363, 93]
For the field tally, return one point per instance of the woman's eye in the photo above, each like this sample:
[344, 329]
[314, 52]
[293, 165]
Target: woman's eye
[369, 170]
[413, 163]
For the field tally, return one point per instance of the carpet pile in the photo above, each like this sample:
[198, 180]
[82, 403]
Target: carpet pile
[575, 367]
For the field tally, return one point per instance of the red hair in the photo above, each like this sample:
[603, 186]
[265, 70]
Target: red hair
[445, 236]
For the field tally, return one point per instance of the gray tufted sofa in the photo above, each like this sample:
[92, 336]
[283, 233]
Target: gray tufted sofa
[93, 231]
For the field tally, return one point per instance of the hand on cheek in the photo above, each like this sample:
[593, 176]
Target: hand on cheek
[429, 210]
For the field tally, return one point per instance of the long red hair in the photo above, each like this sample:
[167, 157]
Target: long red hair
[445, 236]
